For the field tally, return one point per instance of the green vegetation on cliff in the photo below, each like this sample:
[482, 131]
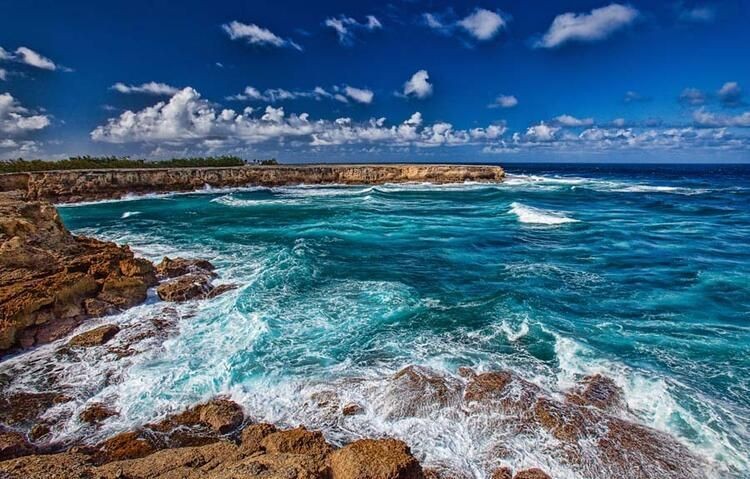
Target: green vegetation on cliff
[110, 162]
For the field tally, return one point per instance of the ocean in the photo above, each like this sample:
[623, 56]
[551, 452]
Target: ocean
[639, 272]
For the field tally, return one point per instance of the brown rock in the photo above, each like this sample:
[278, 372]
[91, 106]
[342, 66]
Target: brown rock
[598, 391]
[253, 435]
[220, 289]
[50, 279]
[416, 389]
[96, 413]
[502, 473]
[375, 459]
[38, 431]
[533, 473]
[56, 466]
[126, 445]
[14, 444]
[186, 287]
[172, 268]
[95, 337]
[296, 441]
[22, 408]
[351, 409]
[219, 415]
[487, 386]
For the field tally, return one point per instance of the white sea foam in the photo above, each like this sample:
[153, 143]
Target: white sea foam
[602, 185]
[529, 214]
[514, 334]
[128, 214]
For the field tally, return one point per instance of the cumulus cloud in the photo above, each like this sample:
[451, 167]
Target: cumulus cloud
[504, 101]
[150, 88]
[418, 85]
[483, 24]
[541, 132]
[730, 94]
[692, 96]
[360, 95]
[29, 57]
[597, 25]
[16, 120]
[346, 27]
[256, 35]
[274, 95]
[571, 121]
[703, 118]
[187, 118]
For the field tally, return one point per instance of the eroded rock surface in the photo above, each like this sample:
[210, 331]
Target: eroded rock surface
[52, 280]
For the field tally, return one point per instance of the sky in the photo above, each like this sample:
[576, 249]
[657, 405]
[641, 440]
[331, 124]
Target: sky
[300, 81]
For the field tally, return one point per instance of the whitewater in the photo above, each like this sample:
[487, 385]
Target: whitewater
[641, 274]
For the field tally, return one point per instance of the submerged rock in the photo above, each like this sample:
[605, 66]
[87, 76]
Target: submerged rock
[95, 337]
[598, 391]
[417, 389]
[184, 288]
[14, 444]
[96, 413]
[24, 408]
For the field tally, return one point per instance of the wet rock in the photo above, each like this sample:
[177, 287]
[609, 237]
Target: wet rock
[220, 415]
[126, 445]
[502, 473]
[598, 391]
[172, 268]
[184, 288]
[533, 473]
[352, 409]
[375, 459]
[466, 372]
[96, 413]
[253, 435]
[487, 386]
[296, 441]
[38, 431]
[221, 289]
[14, 444]
[124, 291]
[417, 389]
[95, 337]
[23, 408]
[49, 278]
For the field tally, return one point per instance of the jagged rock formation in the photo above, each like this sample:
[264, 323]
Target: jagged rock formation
[72, 186]
[52, 280]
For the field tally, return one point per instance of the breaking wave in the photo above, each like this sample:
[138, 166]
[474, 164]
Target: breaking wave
[529, 214]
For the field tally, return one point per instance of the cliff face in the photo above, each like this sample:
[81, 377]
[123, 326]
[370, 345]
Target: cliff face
[72, 186]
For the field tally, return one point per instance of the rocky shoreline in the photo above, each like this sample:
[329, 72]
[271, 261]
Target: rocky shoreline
[52, 281]
[75, 185]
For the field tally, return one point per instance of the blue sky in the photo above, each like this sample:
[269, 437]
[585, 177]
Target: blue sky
[374, 81]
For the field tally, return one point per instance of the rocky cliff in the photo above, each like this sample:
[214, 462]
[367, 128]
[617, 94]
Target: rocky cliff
[72, 186]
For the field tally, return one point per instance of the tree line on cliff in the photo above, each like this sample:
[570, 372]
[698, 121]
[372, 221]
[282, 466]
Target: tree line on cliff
[114, 162]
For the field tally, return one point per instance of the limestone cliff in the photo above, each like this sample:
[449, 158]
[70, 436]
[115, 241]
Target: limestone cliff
[72, 186]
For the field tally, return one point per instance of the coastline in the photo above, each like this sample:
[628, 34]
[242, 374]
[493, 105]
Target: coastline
[593, 404]
[86, 185]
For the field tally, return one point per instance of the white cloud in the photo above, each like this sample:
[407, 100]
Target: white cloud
[730, 94]
[704, 14]
[633, 97]
[256, 35]
[418, 85]
[693, 96]
[701, 117]
[5, 54]
[432, 21]
[599, 24]
[504, 101]
[150, 88]
[15, 119]
[541, 132]
[360, 95]
[346, 27]
[188, 119]
[274, 95]
[571, 121]
[3, 74]
[483, 24]
[34, 59]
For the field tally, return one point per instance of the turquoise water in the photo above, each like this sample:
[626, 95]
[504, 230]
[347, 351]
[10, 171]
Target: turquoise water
[642, 273]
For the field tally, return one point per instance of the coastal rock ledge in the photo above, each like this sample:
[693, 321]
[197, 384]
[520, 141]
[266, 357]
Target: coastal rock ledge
[86, 185]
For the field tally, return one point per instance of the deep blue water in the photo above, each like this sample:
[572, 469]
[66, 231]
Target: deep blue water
[641, 272]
